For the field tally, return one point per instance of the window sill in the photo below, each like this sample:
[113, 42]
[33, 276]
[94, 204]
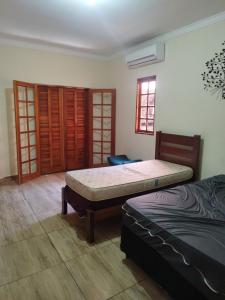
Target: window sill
[145, 132]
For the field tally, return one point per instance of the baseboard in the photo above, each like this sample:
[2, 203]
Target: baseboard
[7, 179]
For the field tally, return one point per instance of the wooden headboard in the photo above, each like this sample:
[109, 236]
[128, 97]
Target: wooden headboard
[179, 149]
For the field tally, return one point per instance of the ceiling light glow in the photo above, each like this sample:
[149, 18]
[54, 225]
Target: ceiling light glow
[91, 2]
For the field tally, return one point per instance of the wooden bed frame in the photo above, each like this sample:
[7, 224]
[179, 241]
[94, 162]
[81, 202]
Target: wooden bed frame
[173, 148]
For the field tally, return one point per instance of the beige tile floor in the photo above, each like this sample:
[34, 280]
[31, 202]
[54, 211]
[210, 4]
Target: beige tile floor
[45, 256]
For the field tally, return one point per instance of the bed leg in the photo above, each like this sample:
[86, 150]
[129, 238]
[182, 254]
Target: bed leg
[64, 203]
[90, 226]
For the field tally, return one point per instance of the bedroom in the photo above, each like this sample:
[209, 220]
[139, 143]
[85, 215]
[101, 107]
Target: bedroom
[182, 107]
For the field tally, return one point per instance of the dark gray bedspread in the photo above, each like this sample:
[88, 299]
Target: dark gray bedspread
[190, 220]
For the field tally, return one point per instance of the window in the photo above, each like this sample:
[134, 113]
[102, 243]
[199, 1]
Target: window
[145, 109]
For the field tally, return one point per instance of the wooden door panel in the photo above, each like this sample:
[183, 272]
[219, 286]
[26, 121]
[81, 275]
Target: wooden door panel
[101, 126]
[82, 128]
[56, 114]
[75, 127]
[69, 108]
[27, 134]
[51, 131]
[44, 128]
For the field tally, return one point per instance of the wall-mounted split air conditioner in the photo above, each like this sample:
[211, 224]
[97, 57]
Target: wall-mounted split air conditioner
[145, 56]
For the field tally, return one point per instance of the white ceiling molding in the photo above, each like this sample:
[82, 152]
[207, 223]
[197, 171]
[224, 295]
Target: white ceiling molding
[24, 43]
[175, 33]
[7, 39]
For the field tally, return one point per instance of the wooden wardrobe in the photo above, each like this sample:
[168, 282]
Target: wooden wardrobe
[56, 128]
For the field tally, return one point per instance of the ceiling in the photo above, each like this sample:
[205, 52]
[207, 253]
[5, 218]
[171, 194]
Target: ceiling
[102, 28]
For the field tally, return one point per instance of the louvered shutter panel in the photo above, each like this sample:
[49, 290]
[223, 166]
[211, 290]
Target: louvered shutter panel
[51, 130]
[75, 127]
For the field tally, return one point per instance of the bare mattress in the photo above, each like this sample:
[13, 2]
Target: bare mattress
[99, 184]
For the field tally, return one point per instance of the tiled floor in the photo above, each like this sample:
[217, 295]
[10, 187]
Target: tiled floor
[45, 256]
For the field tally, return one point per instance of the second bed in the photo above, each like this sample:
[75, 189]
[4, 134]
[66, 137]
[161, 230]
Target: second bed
[91, 190]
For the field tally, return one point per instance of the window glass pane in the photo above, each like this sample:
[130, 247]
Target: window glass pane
[107, 98]
[23, 124]
[152, 86]
[30, 94]
[22, 93]
[33, 166]
[144, 112]
[31, 109]
[97, 123]
[144, 99]
[97, 111]
[22, 109]
[107, 111]
[97, 147]
[143, 124]
[105, 156]
[23, 139]
[24, 154]
[25, 168]
[106, 135]
[106, 148]
[97, 135]
[31, 124]
[151, 112]
[151, 100]
[33, 152]
[97, 159]
[106, 123]
[150, 125]
[32, 136]
[144, 87]
[97, 98]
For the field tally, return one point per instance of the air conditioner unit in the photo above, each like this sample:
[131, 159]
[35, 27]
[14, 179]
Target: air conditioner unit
[148, 55]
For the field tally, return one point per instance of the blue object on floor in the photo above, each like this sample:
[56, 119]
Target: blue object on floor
[120, 160]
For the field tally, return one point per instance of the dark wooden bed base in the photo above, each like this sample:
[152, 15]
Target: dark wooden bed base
[178, 149]
[176, 283]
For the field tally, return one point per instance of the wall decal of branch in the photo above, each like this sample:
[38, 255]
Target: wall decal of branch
[214, 78]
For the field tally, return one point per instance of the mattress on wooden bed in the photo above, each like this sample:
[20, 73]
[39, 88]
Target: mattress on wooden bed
[110, 182]
[186, 226]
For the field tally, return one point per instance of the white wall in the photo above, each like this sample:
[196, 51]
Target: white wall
[38, 67]
[182, 105]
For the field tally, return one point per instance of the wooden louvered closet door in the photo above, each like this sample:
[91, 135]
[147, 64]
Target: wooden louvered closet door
[61, 128]
[75, 127]
[50, 104]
